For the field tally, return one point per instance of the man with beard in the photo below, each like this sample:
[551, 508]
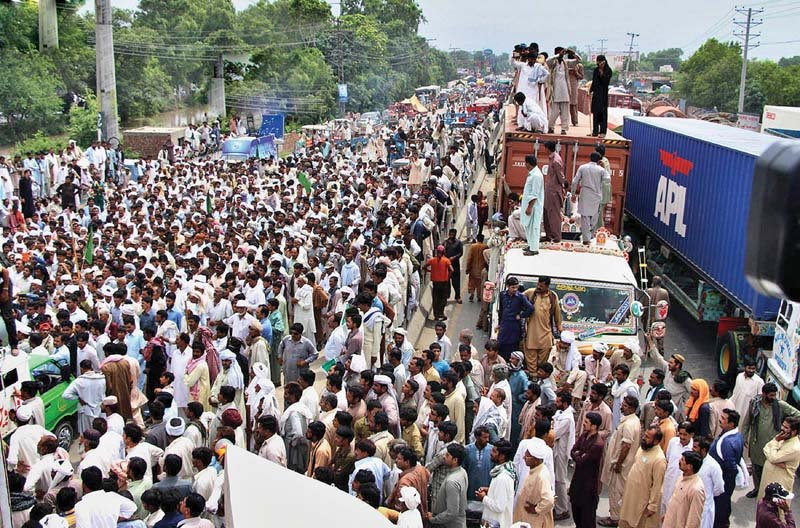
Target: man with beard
[642, 498]
[584, 488]
[619, 458]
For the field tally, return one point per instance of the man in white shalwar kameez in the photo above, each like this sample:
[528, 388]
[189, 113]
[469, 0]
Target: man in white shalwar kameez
[304, 308]
[529, 115]
[564, 428]
[89, 389]
[532, 207]
[711, 475]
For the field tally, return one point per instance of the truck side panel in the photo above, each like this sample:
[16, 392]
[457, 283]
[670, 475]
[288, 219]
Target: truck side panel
[690, 186]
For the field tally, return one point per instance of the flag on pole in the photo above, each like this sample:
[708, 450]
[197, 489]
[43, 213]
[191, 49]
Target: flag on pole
[302, 177]
[88, 252]
[209, 204]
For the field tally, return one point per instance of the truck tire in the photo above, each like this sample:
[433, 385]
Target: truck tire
[65, 433]
[727, 353]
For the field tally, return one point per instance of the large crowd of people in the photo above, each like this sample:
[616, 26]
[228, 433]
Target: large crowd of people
[265, 305]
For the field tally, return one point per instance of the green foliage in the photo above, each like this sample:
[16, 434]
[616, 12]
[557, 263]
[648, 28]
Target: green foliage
[39, 142]
[28, 93]
[83, 122]
[654, 60]
[710, 77]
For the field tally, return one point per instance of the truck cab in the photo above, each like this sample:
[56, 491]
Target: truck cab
[596, 289]
[782, 362]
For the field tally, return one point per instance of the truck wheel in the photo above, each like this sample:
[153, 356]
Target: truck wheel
[65, 433]
[727, 349]
[761, 365]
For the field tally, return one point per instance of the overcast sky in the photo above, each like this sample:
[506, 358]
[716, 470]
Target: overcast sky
[499, 24]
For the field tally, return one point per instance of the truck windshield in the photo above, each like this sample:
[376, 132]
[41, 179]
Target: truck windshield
[593, 306]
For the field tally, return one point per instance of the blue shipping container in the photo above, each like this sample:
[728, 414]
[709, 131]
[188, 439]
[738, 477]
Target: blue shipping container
[689, 184]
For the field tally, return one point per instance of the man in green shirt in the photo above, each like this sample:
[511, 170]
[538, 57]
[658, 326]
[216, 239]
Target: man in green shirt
[760, 424]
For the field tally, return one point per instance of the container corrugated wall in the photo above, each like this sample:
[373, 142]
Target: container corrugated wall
[717, 182]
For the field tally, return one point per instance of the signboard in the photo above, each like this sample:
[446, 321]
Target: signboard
[616, 59]
[342, 90]
[272, 124]
[748, 122]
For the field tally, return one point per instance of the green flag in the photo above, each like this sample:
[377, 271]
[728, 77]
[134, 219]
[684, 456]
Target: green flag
[302, 177]
[88, 252]
[209, 204]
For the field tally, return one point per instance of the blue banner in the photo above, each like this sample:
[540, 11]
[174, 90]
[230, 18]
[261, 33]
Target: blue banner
[272, 124]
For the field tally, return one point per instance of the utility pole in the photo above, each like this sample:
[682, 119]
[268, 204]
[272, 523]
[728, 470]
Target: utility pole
[630, 56]
[747, 25]
[602, 45]
[340, 50]
[48, 25]
[106, 75]
[216, 93]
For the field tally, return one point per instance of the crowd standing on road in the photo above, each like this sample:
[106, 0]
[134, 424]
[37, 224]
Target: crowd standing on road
[185, 296]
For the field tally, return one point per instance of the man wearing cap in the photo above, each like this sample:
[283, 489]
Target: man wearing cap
[400, 343]
[387, 397]
[536, 499]
[598, 367]
[179, 446]
[23, 450]
[677, 381]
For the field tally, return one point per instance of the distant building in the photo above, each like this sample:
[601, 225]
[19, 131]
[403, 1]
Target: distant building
[667, 68]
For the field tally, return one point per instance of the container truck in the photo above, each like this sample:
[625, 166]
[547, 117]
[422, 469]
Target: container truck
[574, 148]
[687, 204]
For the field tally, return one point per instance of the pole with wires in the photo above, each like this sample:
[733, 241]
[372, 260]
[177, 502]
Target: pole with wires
[340, 57]
[216, 92]
[747, 25]
[106, 74]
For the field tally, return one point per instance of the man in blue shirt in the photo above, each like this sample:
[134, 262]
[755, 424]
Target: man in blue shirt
[478, 462]
[727, 449]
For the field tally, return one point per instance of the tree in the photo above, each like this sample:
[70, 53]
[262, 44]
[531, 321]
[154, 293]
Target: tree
[656, 59]
[710, 77]
[83, 122]
[785, 62]
[28, 93]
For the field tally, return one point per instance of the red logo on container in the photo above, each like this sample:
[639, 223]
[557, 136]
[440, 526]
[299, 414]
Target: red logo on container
[675, 163]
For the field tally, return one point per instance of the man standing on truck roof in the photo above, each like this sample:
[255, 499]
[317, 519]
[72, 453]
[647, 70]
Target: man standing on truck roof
[554, 186]
[560, 91]
[532, 205]
[575, 70]
[588, 185]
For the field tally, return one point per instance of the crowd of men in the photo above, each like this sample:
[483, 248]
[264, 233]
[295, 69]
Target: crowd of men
[182, 291]
[185, 296]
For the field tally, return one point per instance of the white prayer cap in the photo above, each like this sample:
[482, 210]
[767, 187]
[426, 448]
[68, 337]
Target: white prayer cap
[66, 277]
[24, 413]
[200, 278]
[107, 290]
[401, 331]
[175, 427]
[22, 328]
[128, 309]
[382, 379]
[110, 400]
[227, 355]
[538, 449]
[242, 304]
[600, 347]
[567, 337]
[410, 497]
[255, 325]
[358, 363]
[37, 282]
[71, 289]
[633, 346]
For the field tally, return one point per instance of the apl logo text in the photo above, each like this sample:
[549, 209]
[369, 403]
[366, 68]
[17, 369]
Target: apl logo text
[671, 195]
